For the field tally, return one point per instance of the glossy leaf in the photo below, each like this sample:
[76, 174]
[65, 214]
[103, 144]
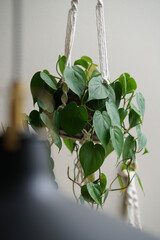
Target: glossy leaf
[46, 120]
[70, 144]
[45, 101]
[106, 195]
[135, 109]
[103, 182]
[91, 157]
[101, 123]
[85, 194]
[109, 148]
[62, 63]
[118, 92]
[129, 147]
[131, 85]
[142, 141]
[82, 63]
[34, 118]
[48, 80]
[95, 73]
[95, 192]
[134, 119]
[97, 89]
[128, 83]
[141, 103]
[122, 114]
[75, 80]
[87, 59]
[73, 118]
[56, 138]
[117, 140]
[113, 113]
[36, 86]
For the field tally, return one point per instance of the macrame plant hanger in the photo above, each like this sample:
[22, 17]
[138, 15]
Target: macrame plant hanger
[131, 199]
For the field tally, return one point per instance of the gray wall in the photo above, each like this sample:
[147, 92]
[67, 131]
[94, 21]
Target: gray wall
[133, 37]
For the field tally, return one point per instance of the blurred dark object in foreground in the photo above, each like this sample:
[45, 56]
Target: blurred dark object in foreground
[31, 208]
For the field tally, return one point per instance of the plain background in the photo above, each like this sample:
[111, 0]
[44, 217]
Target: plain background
[133, 37]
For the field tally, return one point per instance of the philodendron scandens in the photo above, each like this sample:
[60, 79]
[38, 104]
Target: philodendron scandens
[78, 105]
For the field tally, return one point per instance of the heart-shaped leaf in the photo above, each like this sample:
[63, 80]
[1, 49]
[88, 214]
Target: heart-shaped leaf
[117, 140]
[73, 118]
[102, 123]
[103, 182]
[129, 148]
[82, 63]
[112, 111]
[91, 157]
[75, 80]
[142, 141]
[95, 192]
[97, 89]
[48, 80]
[141, 103]
[128, 83]
[122, 114]
[134, 118]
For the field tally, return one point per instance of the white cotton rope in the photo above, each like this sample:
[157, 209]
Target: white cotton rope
[70, 31]
[101, 33]
[132, 206]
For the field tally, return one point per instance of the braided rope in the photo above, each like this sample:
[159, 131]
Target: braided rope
[132, 205]
[102, 41]
[70, 31]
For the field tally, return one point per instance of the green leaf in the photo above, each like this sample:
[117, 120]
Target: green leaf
[48, 80]
[117, 140]
[139, 181]
[91, 157]
[135, 109]
[142, 141]
[62, 63]
[73, 118]
[97, 89]
[101, 123]
[122, 114]
[82, 63]
[113, 113]
[109, 148]
[46, 120]
[34, 119]
[131, 85]
[141, 103]
[70, 144]
[52, 77]
[145, 151]
[106, 195]
[134, 119]
[85, 194]
[129, 147]
[45, 101]
[123, 80]
[56, 119]
[120, 181]
[128, 84]
[75, 80]
[112, 95]
[87, 59]
[56, 138]
[95, 73]
[36, 86]
[95, 192]
[103, 182]
[118, 92]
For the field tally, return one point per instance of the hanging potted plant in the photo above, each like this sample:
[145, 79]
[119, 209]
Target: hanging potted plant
[79, 106]
[92, 115]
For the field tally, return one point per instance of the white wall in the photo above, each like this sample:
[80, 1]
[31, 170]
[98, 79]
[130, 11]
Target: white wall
[133, 37]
